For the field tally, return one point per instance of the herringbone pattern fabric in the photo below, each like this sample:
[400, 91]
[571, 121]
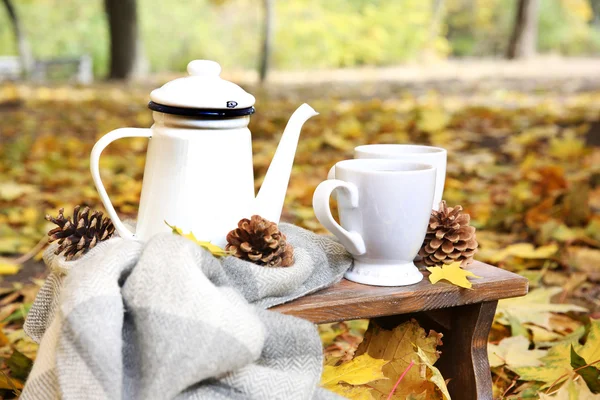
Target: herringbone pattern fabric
[166, 320]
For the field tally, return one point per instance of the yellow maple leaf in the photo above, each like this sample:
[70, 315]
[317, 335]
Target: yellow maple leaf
[362, 369]
[453, 273]
[213, 248]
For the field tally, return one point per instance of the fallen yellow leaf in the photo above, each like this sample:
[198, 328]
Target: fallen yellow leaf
[352, 392]
[514, 352]
[541, 335]
[362, 369]
[433, 119]
[405, 343]
[591, 349]
[573, 389]
[534, 308]
[453, 273]
[556, 366]
[12, 190]
[3, 338]
[213, 248]
[8, 383]
[8, 268]
[584, 259]
[555, 369]
[524, 250]
[567, 147]
[436, 376]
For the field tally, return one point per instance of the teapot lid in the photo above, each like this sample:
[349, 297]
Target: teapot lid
[203, 93]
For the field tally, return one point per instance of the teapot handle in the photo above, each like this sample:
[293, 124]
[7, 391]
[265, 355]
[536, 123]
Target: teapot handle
[94, 167]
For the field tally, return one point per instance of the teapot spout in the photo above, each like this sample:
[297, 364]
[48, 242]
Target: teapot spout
[269, 201]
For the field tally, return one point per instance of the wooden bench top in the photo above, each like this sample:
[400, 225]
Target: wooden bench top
[348, 300]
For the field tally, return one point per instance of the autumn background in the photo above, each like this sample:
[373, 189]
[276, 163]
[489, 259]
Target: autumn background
[510, 87]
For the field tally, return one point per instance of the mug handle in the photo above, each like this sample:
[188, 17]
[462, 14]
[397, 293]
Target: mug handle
[95, 169]
[352, 241]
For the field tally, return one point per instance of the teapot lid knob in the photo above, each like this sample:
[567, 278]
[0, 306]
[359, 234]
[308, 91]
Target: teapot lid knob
[202, 93]
[204, 68]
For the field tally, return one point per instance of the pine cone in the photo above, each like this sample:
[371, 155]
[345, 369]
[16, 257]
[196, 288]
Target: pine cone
[449, 237]
[81, 234]
[261, 242]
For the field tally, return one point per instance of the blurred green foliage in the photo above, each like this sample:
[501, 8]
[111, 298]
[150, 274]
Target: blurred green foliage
[483, 27]
[309, 33]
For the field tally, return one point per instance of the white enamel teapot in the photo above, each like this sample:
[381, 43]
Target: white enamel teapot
[199, 175]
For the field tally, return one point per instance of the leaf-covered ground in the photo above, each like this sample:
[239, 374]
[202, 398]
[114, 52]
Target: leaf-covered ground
[526, 166]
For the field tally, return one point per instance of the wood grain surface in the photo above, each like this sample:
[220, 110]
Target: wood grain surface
[464, 358]
[348, 300]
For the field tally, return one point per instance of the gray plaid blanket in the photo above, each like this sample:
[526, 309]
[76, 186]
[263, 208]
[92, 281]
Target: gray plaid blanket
[166, 320]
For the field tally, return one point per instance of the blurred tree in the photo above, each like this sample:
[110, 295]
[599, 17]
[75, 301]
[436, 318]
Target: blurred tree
[482, 28]
[267, 42]
[437, 19]
[307, 34]
[595, 5]
[25, 54]
[126, 50]
[523, 41]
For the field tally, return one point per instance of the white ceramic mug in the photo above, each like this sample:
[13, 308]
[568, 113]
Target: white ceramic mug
[435, 156]
[384, 209]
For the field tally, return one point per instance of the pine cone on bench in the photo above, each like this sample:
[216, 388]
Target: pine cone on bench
[449, 237]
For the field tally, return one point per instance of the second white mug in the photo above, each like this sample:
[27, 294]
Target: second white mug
[435, 156]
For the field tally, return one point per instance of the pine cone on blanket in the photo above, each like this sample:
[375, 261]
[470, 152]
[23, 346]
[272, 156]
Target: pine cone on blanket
[449, 237]
[261, 242]
[80, 234]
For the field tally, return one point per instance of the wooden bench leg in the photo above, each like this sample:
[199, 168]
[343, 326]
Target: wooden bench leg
[464, 358]
[464, 354]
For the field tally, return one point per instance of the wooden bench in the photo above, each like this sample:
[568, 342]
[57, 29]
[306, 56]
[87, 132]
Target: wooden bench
[464, 317]
[80, 69]
[10, 68]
